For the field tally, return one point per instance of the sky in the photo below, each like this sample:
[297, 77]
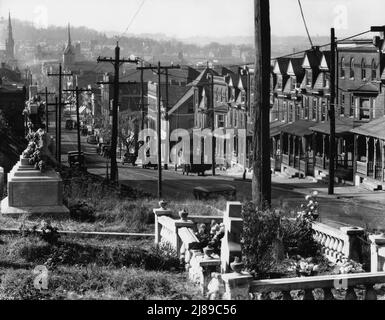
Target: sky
[189, 18]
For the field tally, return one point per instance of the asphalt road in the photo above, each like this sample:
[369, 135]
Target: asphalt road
[359, 209]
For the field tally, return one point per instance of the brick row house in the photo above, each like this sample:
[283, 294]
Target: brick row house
[300, 128]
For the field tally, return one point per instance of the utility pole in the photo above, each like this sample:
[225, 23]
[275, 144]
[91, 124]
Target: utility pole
[210, 76]
[116, 62]
[332, 113]
[77, 91]
[261, 184]
[142, 95]
[46, 93]
[60, 75]
[159, 68]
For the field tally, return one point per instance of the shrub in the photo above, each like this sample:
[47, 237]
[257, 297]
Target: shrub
[260, 229]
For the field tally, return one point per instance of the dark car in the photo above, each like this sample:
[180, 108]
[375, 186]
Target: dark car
[76, 159]
[128, 158]
[196, 168]
[69, 124]
[92, 140]
[208, 192]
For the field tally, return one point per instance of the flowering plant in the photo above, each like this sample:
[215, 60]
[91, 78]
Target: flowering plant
[345, 265]
[309, 211]
[304, 267]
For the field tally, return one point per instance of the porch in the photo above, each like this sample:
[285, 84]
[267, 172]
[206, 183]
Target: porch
[369, 152]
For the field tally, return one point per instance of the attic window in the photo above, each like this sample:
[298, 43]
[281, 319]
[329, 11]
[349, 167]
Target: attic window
[374, 70]
[352, 68]
[363, 70]
[309, 77]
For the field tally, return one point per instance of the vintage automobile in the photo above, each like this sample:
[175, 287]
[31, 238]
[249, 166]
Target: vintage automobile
[195, 168]
[76, 159]
[70, 124]
[227, 191]
[128, 158]
[92, 139]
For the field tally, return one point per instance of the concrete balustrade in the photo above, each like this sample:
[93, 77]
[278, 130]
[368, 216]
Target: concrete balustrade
[377, 253]
[338, 243]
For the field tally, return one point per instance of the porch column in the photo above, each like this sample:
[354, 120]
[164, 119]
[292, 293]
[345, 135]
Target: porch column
[294, 147]
[346, 153]
[289, 146]
[382, 159]
[314, 147]
[355, 155]
[323, 151]
[367, 155]
[274, 147]
[374, 157]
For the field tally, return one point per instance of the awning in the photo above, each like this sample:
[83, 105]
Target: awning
[343, 126]
[375, 128]
[299, 128]
[365, 88]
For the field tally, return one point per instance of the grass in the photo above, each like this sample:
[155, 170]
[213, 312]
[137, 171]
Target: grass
[109, 209]
[102, 269]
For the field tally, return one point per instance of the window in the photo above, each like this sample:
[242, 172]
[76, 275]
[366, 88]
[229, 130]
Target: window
[374, 70]
[285, 112]
[352, 106]
[279, 83]
[221, 120]
[364, 109]
[352, 68]
[342, 68]
[309, 77]
[291, 111]
[293, 81]
[314, 109]
[363, 70]
[323, 111]
[306, 111]
[342, 104]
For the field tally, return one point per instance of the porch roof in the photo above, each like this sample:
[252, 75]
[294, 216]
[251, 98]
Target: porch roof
[343, 126]
[275, 128]
[375, 128]
[299, 128]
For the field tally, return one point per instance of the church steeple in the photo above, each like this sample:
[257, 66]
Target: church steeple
[10, 43]
[69, 35]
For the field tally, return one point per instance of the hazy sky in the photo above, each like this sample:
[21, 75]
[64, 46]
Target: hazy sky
[186, 18]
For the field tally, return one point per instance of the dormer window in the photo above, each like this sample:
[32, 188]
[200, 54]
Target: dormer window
[309, 77]
[293, 83]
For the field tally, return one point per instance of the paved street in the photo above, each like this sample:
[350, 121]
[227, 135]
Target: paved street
[350, 205]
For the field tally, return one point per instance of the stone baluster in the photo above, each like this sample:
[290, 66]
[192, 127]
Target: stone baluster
[159, 212]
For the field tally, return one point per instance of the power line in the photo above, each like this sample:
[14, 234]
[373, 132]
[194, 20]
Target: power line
[132, 19]
[304, 22]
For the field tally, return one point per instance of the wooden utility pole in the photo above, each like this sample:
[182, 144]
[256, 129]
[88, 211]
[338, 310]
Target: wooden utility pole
[159, 68]
[116, 62]
[60, 75]
[332, 113]
[46, 93]
[77, 91]
[142, 96]
[261, 185]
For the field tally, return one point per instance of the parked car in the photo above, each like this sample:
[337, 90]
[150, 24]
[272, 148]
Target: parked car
[195, 168]
[128, 158]
[69, 124]
[76, 159]
[210, 192]
[92, 140]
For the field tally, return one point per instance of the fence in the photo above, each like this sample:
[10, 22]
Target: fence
[221, 279]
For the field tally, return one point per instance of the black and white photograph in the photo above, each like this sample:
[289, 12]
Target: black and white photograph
[208, 151]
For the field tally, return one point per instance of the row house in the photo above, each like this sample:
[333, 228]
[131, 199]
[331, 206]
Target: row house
[301, 135]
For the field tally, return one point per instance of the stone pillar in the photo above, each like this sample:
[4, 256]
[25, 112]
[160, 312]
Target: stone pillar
[230, 245]
[161, 211]
[377, 253]
[182, 223]
[237, 285]
[353, 250]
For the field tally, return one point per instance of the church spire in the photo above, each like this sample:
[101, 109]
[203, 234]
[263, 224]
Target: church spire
[10, 43]
[69, 34]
